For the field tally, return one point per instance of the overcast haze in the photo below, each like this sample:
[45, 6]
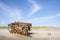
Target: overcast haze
[38, 12]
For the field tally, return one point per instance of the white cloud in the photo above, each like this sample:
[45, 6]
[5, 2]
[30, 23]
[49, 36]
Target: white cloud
[35, 7]
[2, 22]
[43, 19]
[58, 14]
[13, 14]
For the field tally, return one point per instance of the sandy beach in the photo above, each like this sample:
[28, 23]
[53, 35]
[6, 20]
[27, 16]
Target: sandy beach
[38, 34]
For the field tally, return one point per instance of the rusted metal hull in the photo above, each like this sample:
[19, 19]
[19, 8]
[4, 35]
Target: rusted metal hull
[19, 28]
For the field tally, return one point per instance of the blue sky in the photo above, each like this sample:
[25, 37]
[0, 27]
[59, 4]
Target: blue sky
[38, 12]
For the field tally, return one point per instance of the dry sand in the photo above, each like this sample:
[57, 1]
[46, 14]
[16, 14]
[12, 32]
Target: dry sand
[38, 34]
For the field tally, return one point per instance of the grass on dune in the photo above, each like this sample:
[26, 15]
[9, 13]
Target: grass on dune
[37, 27]
[3, 27]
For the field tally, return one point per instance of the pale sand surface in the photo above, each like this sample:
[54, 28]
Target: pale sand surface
[38, 34]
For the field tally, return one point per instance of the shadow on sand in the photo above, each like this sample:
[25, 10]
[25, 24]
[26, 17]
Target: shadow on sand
[29, 34]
